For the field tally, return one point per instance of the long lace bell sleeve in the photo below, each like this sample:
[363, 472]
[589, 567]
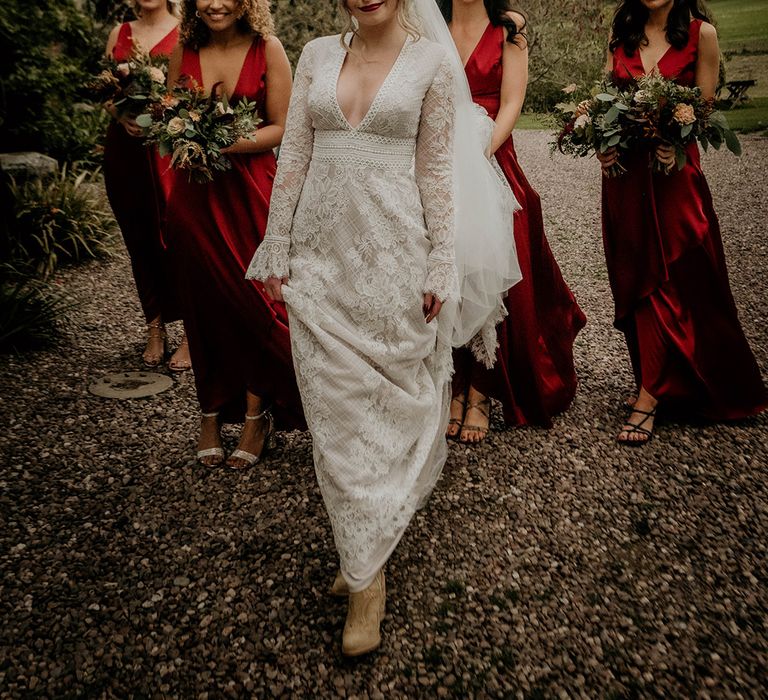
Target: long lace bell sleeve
[434, 175]
[271, 258]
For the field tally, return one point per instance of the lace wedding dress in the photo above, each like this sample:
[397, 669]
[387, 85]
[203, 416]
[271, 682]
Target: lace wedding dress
[361, 221]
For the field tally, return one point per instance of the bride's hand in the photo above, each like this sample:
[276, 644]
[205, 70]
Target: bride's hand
[432, 306]
[274, 287]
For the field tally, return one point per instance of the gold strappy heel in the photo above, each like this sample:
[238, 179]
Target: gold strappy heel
[155, 331]
[457, 421]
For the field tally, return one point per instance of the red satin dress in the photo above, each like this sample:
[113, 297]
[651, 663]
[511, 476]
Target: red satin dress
[238, 338]
[137, 190]
[668, 275]
[534, 376]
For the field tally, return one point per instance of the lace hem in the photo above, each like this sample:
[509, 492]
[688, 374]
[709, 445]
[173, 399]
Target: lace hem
[486, 342]
[270, 260]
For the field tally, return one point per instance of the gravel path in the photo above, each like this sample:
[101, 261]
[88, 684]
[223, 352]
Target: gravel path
[547, 563]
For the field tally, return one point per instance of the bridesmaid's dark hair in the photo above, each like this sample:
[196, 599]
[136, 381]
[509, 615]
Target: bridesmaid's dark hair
[498, 12]
[631, 16]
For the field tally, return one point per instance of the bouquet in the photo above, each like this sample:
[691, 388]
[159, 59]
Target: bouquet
[132, 85]
[646, 112]
[193, 129]
[664, 112]
[595, 123]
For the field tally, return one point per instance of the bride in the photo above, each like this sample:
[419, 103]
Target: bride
[360, 246]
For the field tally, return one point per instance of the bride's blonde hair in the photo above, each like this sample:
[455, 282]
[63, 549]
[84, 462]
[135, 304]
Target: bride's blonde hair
[405, 19]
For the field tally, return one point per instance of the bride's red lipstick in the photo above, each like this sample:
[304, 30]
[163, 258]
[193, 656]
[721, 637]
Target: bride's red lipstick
[371, 8]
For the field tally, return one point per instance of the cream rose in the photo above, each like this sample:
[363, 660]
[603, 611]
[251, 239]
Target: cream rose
[582, 121]
[684, 114]
[156, 74]
[175, 126]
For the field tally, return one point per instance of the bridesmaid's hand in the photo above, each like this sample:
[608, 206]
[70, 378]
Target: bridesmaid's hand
[274, 287]
[432, 306]
[242, 145]
[665, 154]
[130, 125]
[608, 159]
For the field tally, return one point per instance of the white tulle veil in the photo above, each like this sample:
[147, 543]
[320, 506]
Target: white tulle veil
[486, 257]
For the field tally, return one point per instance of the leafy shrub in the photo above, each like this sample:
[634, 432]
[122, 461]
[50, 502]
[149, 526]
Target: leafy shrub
[30, 312]
[59, 221]
[47, 48]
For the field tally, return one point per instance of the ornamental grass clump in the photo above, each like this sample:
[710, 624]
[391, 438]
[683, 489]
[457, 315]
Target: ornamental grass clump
[58, 221]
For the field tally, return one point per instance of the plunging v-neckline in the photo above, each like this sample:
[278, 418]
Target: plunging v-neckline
[655, 65]
[477, 45]
[377, 95]
[239, 75]
[130, 36]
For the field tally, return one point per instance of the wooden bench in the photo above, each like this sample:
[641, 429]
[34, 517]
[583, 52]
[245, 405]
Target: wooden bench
[737, 92]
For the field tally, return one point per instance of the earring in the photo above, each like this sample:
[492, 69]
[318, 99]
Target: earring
[197, 14]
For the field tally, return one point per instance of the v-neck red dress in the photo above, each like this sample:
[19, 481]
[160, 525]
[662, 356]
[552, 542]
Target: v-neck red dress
[137, 190]
[534, 375]
[668, 275]
[238, 338]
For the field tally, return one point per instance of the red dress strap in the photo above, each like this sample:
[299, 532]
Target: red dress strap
[124, 44]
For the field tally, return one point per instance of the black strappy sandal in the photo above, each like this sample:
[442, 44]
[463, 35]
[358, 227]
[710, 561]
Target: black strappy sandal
[637, 428]
[457, 421]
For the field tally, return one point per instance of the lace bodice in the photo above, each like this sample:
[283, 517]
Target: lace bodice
[407, 128]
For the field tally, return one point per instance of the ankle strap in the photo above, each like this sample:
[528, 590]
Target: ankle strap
[259, 416]
[210, 415]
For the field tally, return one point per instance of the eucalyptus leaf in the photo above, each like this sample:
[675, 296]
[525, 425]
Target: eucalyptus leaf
[732, 142]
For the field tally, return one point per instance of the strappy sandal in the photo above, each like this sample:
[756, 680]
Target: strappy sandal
[217, 452]
[457, 421]
[177, 365]
[484, 407]
[155, 331]
[247, 457]
[637, 428]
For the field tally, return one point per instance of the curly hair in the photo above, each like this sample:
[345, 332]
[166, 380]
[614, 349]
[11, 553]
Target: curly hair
[404, 17]
[498, 13]
[628, 29]
[256, 19]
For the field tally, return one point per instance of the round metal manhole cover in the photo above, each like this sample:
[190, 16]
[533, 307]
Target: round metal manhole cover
[130, 385]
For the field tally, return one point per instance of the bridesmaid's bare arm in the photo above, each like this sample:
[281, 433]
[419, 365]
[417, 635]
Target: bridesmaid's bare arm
[708, 62]
[514, 82]
[279, 83]
[129, 124]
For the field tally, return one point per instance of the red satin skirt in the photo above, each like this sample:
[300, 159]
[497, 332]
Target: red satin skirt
[672, 296]
[238, 338]
[534, 376]
[137, 194]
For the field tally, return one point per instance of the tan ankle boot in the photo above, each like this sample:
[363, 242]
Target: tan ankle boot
[366, 610]
[340, 588]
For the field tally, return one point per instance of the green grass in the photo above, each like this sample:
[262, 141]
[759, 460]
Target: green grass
[742, 25]
[530, 120]
[751, 117]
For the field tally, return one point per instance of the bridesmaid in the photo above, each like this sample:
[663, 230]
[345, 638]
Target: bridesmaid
[134, 182]
[238, 338]
[662, 242]
[534, 376]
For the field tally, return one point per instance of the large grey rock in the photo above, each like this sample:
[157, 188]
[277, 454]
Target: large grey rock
[27, 165]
